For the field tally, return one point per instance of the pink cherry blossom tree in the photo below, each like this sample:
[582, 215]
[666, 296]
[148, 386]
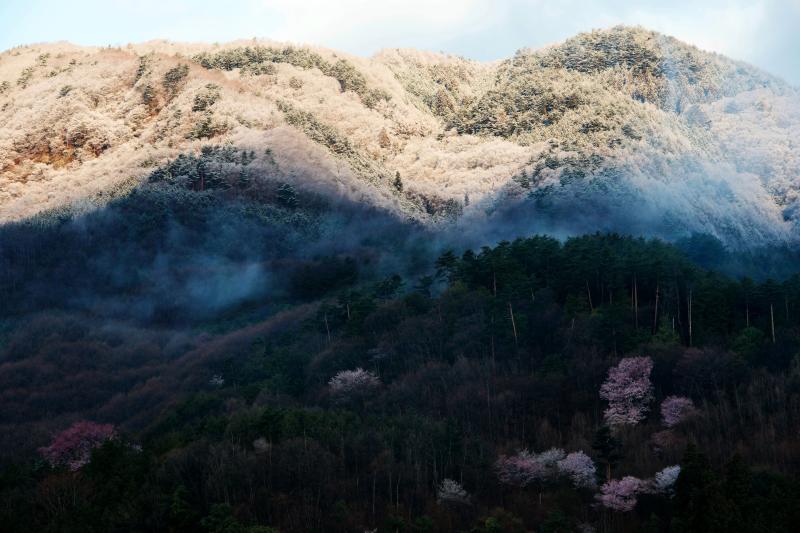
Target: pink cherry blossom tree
[628, 391]
[676, 409]
[620, 495]
[525, 467]
[73, 446]
[519, 470]
[665, 440]
[580, 468]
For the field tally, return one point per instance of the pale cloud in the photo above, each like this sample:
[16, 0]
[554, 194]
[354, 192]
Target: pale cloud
[729, 28]
[370, 25]
[757, 31]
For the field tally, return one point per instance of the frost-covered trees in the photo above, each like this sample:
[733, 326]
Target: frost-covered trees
[620, 494]
[260, 59]
[73, 446]
[206, 97]
[628, 391]
[676, 409]
[351, 383]
[451, 491]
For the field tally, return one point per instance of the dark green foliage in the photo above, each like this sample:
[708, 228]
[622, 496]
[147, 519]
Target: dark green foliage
[705, 250]
[608, 448]
[317, 278]
[501, 521]
[556, 522]
[220, 520]
[25, 77]
[388, 288]
[287, 196]
[732, 500]
[197, 173]
[330, 138]
[149, 95]
[207, 127]
[523, 180]
[321, 133]
[144, 67]
[174, 77]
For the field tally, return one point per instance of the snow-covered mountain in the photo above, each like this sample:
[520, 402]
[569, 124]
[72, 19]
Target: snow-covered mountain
[620, 129]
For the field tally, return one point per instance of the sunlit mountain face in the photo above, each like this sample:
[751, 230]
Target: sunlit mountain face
[620, 129]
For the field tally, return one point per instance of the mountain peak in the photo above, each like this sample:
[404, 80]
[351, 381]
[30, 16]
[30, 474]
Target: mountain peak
[608, 114]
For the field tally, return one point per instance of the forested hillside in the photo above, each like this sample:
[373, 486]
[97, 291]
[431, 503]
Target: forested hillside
[606, 382]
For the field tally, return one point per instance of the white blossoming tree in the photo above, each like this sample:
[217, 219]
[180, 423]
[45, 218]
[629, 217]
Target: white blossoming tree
[451, 491]
[620, 494]
[580, 469]
[676, 409]
[664, 481]
[353, 384]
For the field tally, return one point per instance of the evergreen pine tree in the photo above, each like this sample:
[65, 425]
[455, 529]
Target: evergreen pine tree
[608, 447]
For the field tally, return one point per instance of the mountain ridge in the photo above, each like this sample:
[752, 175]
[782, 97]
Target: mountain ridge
[630, 112]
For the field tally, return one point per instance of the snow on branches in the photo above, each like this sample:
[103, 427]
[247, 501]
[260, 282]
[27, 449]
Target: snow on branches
[73, 446]
[628, 391]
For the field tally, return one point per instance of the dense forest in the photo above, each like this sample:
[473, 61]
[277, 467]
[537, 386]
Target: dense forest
[601, 383]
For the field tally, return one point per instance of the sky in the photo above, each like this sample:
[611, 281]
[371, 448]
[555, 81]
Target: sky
[765, 33]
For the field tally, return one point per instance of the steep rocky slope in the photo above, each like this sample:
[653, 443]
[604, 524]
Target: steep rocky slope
[615, 129]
